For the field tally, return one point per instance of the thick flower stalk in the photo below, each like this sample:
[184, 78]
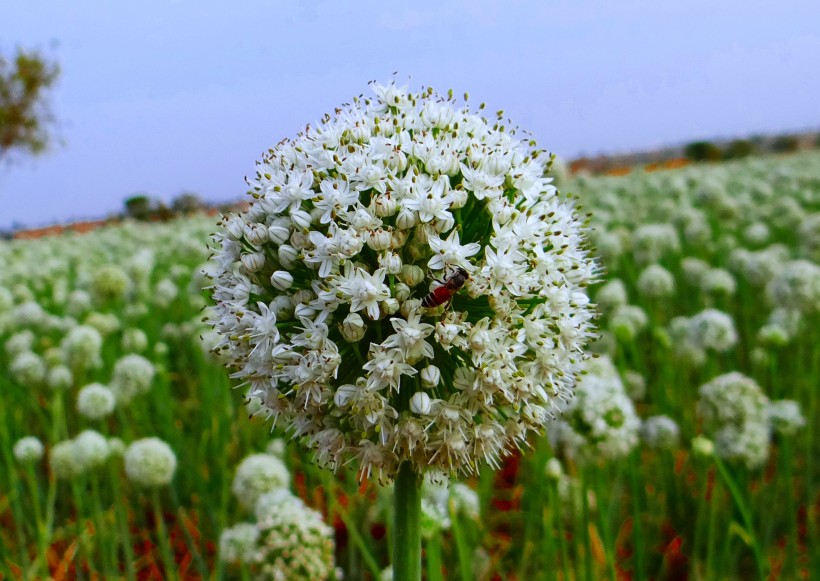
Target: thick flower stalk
[406, 285]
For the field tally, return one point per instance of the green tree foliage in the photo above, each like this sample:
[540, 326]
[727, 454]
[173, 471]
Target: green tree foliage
[739, 148]
[786, 144]
[703, 151]
[139, 207]
[187, 203]
[25, 116]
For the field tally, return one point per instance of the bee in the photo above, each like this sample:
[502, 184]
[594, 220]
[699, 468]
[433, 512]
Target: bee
[449, 287]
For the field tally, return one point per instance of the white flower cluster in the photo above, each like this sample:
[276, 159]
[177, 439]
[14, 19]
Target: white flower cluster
[660, 432]
[785, 417]
[742, 419]
[600, 423]
[288, 540]
[256, 475]
[708, 330]
[319, 286]
[150, 462]
[71, 458]
[28, 449]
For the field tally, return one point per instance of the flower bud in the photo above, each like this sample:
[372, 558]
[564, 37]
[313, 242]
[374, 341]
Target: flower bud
[287, 256]
[406, 219]
[398, 239]
[281, 280]
[234, 228]
[385, 205]
[278, 234]
[702, 447]
[553, 469]
[390, 262]
[344, 394]
[420, 403]
[445, 224]
[411, 275]
[379, 240]
[353, 328]
[282, 307]
[409, 307]
[301, 219]
[256, 234]
[389, 306]
[430, 376]
[459, 198]
[401, 291]
[253, 261]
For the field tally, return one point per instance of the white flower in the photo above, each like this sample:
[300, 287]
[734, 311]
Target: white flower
[256, 475]
[785, 417]
[600, 422]
[365, 211]
[95, 401]
[133, 375]
[449, 253]
[409, 338]
[28, 450]
[364, 290]
[733, 407]
[660, 432]
[91, 449]
[150, 462]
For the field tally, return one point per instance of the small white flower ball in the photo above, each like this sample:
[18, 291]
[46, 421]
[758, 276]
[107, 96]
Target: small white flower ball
[150, 462]
[237, 544]
[132, 376]
[660, 432]
[256, 475]
[95, 401]
[656, 282]
[81, 347]
[63, 460]
[91, 449]
[134, 340]
[28, 450]
[59, 378]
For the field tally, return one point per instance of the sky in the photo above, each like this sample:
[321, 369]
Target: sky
[180, 96]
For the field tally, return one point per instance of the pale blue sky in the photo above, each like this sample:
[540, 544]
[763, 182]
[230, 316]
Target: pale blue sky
[162, 97]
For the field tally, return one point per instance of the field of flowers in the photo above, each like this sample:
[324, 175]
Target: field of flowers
[688, 452]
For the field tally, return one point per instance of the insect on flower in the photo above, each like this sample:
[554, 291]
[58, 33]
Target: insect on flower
[448, 288]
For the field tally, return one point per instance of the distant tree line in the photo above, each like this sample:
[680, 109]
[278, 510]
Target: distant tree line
[739, 148]
[145, 208]
[148, 209]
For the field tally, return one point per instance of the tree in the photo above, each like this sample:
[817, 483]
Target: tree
[139, 207]
[187, 203]
[702, 151]
[25, 116]
[739, 148]
[786, 144]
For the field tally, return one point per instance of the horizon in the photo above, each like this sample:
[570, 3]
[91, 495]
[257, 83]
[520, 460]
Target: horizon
[161, 99]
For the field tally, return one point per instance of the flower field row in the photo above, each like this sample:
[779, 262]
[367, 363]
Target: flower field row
[688, 450]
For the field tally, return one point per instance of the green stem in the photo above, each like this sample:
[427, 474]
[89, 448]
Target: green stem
[434, 558]
[465, 563]
[747, 517]
[407, 528]
[164, 541]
